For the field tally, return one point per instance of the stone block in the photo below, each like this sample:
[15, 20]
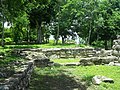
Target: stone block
[108, 59]
[115, 53]
[41, 62]
[117, 47]
[99, 79]
[86, 61]
[96, 60]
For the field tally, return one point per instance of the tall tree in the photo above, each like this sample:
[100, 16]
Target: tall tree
[41, 13]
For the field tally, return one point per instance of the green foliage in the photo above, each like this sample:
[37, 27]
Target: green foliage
[36, 20]
[7, 57]
[98, 44]
[8, 40]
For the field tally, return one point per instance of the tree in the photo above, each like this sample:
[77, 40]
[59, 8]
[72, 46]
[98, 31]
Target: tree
[10, 9]
[42, 13]
[107, 28]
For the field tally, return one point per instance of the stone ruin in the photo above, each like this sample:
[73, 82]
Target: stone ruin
[60, 52]
[20, 78]
[110, 57]
[16, 76]
[88, 56]
[116, 48]
[17, 79]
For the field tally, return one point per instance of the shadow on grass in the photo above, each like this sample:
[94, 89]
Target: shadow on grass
[59, 81]
[87, 79]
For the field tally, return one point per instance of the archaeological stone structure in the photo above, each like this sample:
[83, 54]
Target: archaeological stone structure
[61, 52]
[110, 57]
[19, 78]
[116, 48]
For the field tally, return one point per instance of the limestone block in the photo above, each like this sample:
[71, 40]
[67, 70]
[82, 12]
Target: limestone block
[99, 79]
[86, 61]
[115, 53]
[41, 62]
[111, 64]
[108, 59]
[116, 42]
[113, 47]
[105, 53]
[96, 80]
[117, 47]
[96, 60]
[118, 36]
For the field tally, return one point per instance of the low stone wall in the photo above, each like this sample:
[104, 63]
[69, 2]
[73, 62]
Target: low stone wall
[116, 48]
[111, 57]
[97, 60]
[62, 52]
[70, 52]
[20, 79]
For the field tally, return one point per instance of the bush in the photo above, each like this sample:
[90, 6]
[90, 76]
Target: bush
[98, 44]
[8, 40]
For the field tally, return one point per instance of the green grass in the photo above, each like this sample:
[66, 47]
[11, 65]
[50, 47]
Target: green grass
[51, 44]
[86, 74]
[68, 60]
[79, 73]
[41, 46]
[7, 57]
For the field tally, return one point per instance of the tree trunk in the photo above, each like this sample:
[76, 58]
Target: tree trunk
[39, 36]
[63, 40]
[28, 34]
[111, 43]
[57, 38]
[106, 46]
[2, 43]
[89, 37]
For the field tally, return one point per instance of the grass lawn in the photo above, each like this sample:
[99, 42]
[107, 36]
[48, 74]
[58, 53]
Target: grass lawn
[8, 57]
[41, 46]
[51, 44]
[67, 60]
[58, 78]
[61, 77]
[86, 74]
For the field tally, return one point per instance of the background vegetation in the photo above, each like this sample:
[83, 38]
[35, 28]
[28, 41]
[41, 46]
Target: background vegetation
[97, 22]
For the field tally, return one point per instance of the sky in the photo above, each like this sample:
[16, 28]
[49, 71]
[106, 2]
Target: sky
[6, 25]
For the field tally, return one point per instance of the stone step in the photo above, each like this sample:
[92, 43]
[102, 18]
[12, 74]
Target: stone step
[71, 64]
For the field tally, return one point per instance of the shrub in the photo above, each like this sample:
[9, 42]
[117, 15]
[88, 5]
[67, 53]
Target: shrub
[98, 44]
[8, 40]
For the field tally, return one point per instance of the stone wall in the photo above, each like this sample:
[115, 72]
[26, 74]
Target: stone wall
[116, 48]
[38, 57]
[110, 57]
[70, 52]
[62, 52]
[20, 79]
[18, 76]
